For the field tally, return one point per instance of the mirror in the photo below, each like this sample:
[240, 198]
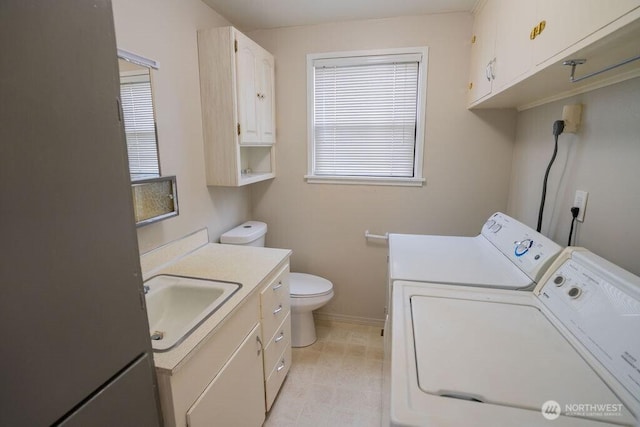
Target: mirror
[138, 111]
[154, 197]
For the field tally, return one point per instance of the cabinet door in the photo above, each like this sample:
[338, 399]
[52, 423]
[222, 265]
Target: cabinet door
[513, 50]
[482, 51]
[235, 397]
[266, 99]
[247, 90]
[569, 21]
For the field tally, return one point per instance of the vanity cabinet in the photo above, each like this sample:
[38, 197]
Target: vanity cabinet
[190, 395]
[275, 318]
[517, 47]
[236, 394]
[234, 372]
[238, 108]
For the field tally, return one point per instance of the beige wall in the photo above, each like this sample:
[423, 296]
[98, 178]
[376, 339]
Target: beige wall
[467, 161]
[165, 30]
[603, 159]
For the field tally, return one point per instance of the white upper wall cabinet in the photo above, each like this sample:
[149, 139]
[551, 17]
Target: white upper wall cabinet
[513, 54]
[482, 52]
[569, 21]
[518, 48]
[500, 50]
[238, 108]
[256, 103]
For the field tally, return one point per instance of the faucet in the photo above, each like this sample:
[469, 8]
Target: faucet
[145, 288]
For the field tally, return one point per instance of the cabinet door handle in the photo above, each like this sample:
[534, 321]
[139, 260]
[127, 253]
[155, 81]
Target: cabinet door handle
[492, 68]
[278, 286]
[277, 310]
[281, 367]
[487, 73]
[534, 33]
[280, 337]
[259, 341]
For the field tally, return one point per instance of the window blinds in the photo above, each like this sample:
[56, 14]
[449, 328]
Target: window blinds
[364, 119]
[139, 126]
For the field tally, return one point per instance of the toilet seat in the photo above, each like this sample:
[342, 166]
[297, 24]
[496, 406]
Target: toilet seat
[302, 285]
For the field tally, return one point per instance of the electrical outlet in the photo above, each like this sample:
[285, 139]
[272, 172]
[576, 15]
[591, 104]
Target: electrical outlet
[580, 202]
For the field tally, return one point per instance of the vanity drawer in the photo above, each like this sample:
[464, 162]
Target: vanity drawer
[276, 345]
[274, 303]
[277, 375]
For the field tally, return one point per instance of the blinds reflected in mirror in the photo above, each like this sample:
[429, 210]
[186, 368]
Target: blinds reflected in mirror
[139, 124]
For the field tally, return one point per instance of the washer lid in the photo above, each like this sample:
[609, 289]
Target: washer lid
[501, 354]
[306, 285]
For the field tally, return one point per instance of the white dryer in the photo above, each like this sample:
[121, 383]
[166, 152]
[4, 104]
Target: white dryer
[567, 354]
[506, 254]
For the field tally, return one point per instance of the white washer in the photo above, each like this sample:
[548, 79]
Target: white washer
[468, 356]
[506, 254]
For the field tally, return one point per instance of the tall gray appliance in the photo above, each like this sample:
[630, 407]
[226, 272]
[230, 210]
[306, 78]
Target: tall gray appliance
[74, 342]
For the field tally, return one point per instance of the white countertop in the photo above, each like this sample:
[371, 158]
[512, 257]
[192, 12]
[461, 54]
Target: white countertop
[243, 264]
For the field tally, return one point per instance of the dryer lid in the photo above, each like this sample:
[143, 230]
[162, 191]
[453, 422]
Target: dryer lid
[472, 261]
[305, 285]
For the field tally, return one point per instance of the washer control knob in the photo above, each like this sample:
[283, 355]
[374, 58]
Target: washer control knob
[574, 292]
[559, 280]
[523, 246]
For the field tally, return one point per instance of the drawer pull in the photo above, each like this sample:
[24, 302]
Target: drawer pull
[277, 310]
[281, 367]
[280, 337]
[278, 286]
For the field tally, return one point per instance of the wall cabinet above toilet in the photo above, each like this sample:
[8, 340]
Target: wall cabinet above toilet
[238, 107]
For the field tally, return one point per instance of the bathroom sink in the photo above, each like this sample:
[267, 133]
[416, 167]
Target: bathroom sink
[177, 305]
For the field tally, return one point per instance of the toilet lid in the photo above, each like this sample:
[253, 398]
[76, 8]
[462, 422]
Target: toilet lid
[306, 285]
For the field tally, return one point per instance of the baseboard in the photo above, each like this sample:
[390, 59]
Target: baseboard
[367, 321]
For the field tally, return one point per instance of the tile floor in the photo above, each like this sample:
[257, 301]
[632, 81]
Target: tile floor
[334, 382]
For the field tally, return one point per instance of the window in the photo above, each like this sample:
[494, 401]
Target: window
[139, 124]
[366, 117]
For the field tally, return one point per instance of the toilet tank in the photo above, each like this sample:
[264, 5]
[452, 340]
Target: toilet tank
[251, 233]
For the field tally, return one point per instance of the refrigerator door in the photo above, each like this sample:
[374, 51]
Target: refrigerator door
[114, 405]
[72, 313]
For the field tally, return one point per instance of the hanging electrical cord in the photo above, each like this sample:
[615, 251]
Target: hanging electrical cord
[558, 127]
[574, 213]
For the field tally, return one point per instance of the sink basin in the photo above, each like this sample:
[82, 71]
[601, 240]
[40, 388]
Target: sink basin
[177, 305]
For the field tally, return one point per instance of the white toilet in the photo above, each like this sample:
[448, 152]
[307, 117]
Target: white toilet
[307, 292]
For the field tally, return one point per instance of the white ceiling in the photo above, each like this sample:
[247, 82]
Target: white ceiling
[259, 14]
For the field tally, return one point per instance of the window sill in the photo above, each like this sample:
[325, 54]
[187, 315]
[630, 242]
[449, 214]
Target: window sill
[361, 180]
